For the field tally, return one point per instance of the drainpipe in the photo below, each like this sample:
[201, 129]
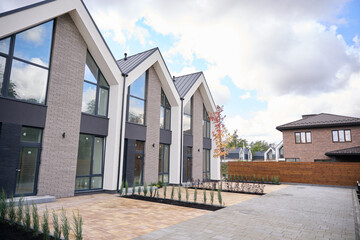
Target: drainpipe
[121, 127]
[181, 140]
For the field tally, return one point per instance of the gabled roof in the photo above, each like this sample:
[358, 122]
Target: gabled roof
[184, 83]
[131, 62]
[320, 121]
[346, 151]
[236, 150]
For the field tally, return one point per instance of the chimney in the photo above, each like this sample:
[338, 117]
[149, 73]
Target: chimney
[173, 78]
[125, 58]
[308, 115]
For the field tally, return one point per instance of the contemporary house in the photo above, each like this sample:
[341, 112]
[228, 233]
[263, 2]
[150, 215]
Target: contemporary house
[73, 119]
[258, 155]
[275, 153]
[242, 154]
[321, 137]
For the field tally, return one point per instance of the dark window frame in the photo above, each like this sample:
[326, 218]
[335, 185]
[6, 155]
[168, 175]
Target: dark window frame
[190, 115]
[4, 93]
[129, 96]
[306, 141]
[163, 163]
[165, 108]
[90, 176]
[338, 136]
[206, 123]
[207, 162]
[98, 88]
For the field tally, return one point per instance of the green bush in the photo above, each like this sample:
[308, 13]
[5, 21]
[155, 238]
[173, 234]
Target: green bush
[172, 192]
[151, 190]
[145, 189]
[263, 179]
[212, 196]
[77, 226]
[133, 187]
[195, 194]
[126, 187]
[139, 189]
[259, 179]
[187, 193]
[276, 180]
[12, 213]
[3, 206]
[179, 192]
[65, 226]
[165, 186]
[204, 196]
[45, 225]
[219, 196]
[121, 189]
[267, 178]
[27, 220]
[272, 179]
[35, 217]
[157, 193]
[56, 225]
[20, 211]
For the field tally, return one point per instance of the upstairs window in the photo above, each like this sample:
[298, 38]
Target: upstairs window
[136, 100]
[25, 63]
[206, 124]
[165, 112]
[95, 91]
[188, 117]
[303, 137]
[341, 135]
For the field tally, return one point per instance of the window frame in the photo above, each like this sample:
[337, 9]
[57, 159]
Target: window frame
[9, 57]
[167, 172]
[189, 115]
[165, 108]
[338, 135]
[206, 123]
[206, 162]
[98, 88]
[305, 134]
[129, 96]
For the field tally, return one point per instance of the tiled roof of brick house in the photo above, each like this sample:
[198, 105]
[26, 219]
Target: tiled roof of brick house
[345, 151]
[320, 121]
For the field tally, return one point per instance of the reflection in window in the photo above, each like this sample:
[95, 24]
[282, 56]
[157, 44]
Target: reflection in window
[95, 91]
[89, 170]
[188, 117]
[206, 164]
[29, 59]
[206, 124]
[165, 112]
[164, 158]
[136, 100]
[341, 136]
[303, 137]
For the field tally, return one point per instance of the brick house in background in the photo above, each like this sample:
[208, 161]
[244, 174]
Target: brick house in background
[321, 137]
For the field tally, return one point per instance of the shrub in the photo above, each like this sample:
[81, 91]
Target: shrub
[145, 189]
[77, 226]
[133, 187]
[126, 187]
[65, 225]
[121, 189]
[241, 177]
[259, 179]
[195, 194]
[254, 179]
[12, 213]
[157, 193]
[272, 179]
[151, 190]
[45, 225]
[57, 228]
[267, 178]
[219, 196]
[139, 189]
[179, 192]
[35, 217]
[20, 211]
[204, 196]
[3, 206]
[27, 220]
[187, 193]
[172, 192]
[165, 190]
[212, 196]
[263, 179]
[276, 180]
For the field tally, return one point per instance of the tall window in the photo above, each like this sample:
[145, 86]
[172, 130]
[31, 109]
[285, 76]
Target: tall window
[165, 112]
[89, 170]
[303, 137]
[136, 100]
[95, 91]
[188, 117]
[341, 135]
[24, 63]
[206, 164]
[164, 156]
[206, 124]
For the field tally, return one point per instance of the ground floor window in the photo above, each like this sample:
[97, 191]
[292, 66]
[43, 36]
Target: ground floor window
[206, 164]
[164, 157]
[90, 163]
[292, 160]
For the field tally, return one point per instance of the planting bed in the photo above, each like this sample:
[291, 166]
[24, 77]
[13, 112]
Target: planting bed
[229, 186]
[175, 202]
[15, 232]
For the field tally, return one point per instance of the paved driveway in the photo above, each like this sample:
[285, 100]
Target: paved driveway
[295, 212]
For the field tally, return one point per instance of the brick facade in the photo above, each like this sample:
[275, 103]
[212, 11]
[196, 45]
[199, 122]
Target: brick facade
[320, 144]
[59, 155]
[197, 119]
[153, 97]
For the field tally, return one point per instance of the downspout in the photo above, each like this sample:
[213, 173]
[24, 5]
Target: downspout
[121, 130]
[181, 140]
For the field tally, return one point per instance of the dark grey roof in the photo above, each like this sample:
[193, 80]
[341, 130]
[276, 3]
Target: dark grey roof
[236, 150]
[319, 121]
[131, 62]
[346, 151]
[184, 83]
[259, 154]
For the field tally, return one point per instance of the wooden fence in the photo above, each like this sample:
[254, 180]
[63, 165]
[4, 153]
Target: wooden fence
[334, 173]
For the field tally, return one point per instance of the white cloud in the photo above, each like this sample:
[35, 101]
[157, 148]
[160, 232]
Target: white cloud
[245, 96]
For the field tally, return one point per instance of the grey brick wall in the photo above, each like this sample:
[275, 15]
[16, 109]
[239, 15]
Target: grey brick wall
[197, 135]
[152, 127]
[59, 155]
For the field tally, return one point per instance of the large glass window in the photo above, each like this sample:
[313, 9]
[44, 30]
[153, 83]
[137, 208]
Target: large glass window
[187, 120]
[165, 112]
[303, 137]
[206, 124]
[95, 91]
[206, 164]
[89, 170]
[136, 100]
[341, 135]
[164, 157]
[28, 56]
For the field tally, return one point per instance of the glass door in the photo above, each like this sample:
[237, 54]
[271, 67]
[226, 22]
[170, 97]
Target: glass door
[139, 162]
[28, 167]
[188, 164]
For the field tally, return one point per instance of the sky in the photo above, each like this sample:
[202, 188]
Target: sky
[266, 62]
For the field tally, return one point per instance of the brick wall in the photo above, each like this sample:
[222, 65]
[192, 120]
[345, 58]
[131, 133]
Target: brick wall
[197, 118]
[321, 143]
[59, 155]
[151, 163]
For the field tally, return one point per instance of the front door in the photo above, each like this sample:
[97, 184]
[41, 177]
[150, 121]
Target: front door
[29, 158]
[139, 162]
